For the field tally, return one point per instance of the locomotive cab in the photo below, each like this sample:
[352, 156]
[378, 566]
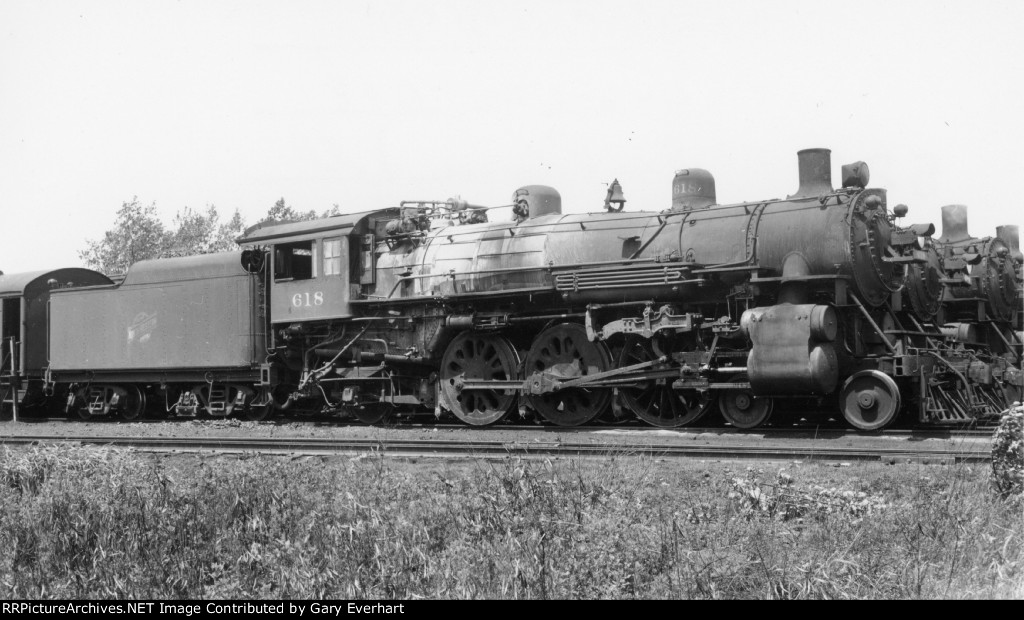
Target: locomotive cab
[316, 268]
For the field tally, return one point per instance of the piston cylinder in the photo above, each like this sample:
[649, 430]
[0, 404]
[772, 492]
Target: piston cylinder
[792, 350]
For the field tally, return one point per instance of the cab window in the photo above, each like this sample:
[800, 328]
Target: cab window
[295, 261]
[333, 263]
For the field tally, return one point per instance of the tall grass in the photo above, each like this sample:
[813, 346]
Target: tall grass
[88, 522]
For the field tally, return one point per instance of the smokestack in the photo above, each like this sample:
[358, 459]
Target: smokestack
[954, 224]
[815, 173]
[1010, 234]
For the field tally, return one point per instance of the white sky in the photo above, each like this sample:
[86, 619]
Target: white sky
[364, 104]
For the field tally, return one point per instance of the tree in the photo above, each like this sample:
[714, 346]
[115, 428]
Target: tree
[204, 234]
[227, 233]
[281, 212]
[138, 234]
[195, 233]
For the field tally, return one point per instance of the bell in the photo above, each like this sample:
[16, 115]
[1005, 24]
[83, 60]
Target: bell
[614, 201]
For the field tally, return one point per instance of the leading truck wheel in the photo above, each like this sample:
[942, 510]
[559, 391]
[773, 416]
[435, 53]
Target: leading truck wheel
[741, 408]
[474, 356]
[869, 400]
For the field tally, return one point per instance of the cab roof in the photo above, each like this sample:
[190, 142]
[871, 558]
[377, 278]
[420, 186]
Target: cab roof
[342, 224]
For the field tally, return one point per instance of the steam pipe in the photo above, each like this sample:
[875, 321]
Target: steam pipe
[1009, 346]
[871, 321]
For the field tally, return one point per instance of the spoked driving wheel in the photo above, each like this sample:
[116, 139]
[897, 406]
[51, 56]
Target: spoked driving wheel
[474, 356]
[742, 408]
[654, 401]
[870, 400]
[563, 352]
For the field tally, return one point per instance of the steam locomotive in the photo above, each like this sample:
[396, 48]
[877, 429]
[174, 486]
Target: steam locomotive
[821, 303]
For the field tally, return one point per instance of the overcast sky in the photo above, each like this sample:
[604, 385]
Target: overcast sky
[364, 104]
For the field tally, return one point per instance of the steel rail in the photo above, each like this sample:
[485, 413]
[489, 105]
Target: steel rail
[631, 426]
[493, 449]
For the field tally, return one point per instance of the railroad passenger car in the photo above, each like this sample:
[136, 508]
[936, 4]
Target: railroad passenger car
[24, 330]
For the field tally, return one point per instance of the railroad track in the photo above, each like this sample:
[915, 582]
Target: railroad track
[500, 449]
[796, 431]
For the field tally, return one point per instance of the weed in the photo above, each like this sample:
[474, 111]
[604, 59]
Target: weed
[99, 523]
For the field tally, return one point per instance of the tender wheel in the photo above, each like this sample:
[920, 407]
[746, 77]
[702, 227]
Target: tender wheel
[259, 412]
[79, 406]
[869, 400]
[564, 352]
[134, 405]
[742, 408]
[477, 356]
[657, 403]
[97, 398]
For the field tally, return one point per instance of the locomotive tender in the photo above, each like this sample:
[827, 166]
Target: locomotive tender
[819, 299]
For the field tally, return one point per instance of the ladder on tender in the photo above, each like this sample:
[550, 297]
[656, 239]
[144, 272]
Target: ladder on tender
[10, 394]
